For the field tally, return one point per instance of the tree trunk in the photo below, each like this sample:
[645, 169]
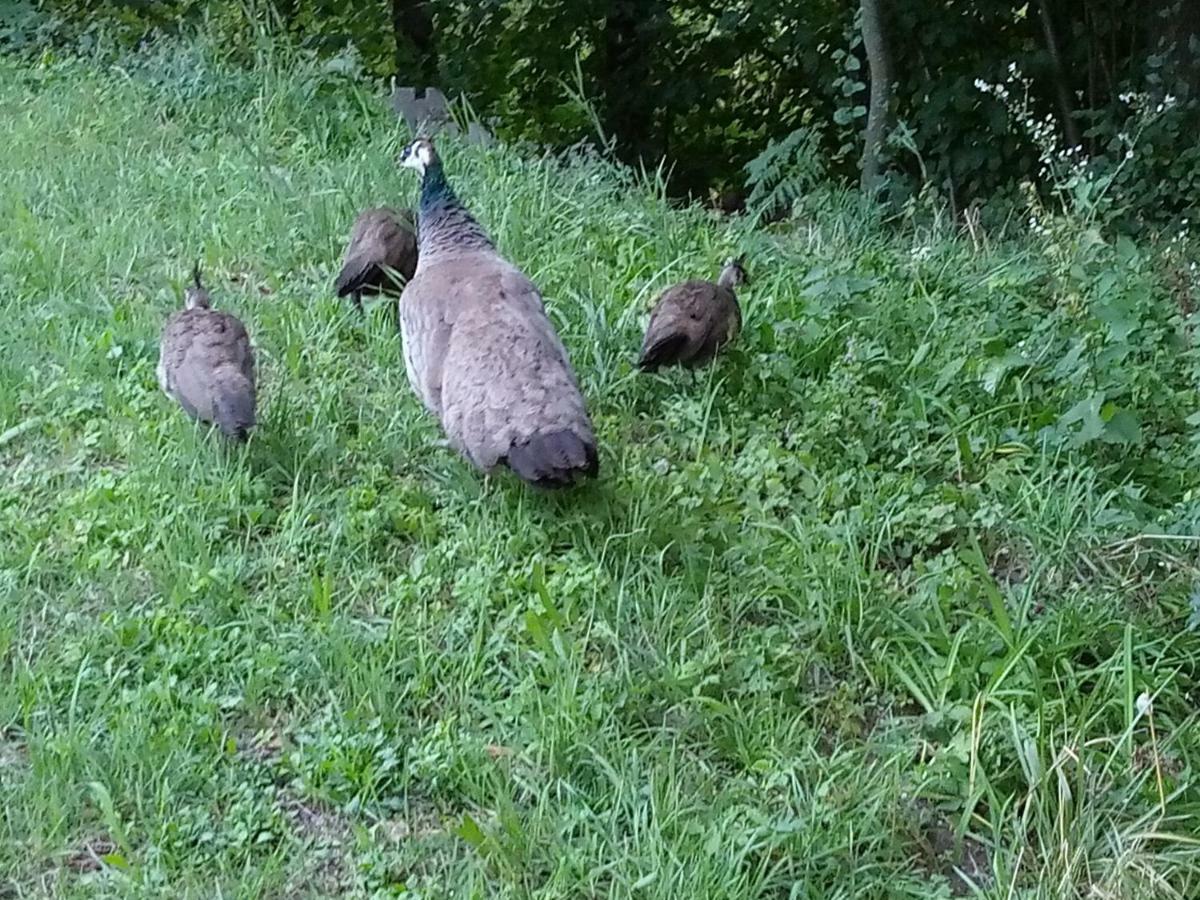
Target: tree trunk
[1062, 88]
[416, 53]
[879, 63]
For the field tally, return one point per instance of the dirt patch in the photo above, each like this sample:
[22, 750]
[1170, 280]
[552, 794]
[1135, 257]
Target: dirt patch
[13, 754]
[965, 864]
[88, 855]
[327, 827]
[1140, 566]
[1145, 759]
[328, 870]
[419, 824]
[964, 867]
[1009, 565]
[316, 821]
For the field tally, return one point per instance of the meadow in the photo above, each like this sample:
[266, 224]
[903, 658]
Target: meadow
[898, 599]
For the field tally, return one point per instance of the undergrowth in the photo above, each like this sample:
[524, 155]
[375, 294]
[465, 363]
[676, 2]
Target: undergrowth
[895, 600]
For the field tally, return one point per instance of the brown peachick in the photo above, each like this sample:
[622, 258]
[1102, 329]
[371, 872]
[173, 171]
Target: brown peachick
[381, 255]
[206, 363]
[693, 320]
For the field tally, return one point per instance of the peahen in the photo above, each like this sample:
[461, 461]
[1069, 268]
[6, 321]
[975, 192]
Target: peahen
[481, 352]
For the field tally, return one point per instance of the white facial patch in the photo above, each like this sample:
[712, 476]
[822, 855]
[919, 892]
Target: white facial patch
[418, 157]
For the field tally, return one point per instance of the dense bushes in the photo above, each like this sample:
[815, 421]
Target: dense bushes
[706, 86]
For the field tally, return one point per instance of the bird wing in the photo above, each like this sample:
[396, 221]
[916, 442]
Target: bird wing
[679, 324]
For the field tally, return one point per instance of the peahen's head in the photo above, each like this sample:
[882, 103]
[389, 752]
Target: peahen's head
[195, 296]
[418, 155]
[733, 272]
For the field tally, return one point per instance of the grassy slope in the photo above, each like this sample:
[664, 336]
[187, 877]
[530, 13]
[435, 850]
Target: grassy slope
[836, 618]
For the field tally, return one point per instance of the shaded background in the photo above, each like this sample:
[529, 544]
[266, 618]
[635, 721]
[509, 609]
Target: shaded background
[706, 86]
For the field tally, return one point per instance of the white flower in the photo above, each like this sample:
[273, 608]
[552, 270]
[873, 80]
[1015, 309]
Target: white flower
[1144, 704]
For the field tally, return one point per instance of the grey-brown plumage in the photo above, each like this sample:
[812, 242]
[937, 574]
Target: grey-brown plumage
[381, 255]
[480, 351]
[693, 320]
[206, 363]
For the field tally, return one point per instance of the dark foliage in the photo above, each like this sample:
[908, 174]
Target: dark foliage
[706, 86]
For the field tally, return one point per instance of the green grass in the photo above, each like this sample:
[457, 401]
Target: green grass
[861, 611]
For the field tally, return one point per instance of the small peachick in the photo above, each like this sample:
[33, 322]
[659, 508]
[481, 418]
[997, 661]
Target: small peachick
[381, 256]
[480, 351]
[206, 363]
[693, 320]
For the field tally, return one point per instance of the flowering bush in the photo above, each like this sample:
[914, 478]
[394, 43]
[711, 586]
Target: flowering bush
[1089, 189]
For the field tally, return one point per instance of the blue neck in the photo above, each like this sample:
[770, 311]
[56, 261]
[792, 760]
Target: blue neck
[444, 224]
[436, 193]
